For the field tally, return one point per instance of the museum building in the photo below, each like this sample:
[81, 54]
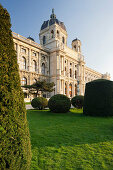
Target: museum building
[52, 60]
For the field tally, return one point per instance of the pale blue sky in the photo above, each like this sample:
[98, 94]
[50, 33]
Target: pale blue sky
[89, 20]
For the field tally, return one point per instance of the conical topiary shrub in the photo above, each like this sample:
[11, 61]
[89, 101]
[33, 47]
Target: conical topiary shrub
[15, 151]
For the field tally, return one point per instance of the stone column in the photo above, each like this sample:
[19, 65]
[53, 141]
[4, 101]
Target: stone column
[73, 89]
[68, 69]
[63, 67]
[58, 86]
[59, 62]
[62, 63]
[83, 73]
[73, 70]
[67, 89]
[64, 87]
[58, 65]
[18, 53]
[39, 63]
[29, 60]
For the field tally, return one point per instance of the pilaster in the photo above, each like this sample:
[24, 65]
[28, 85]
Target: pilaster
[73, 89]
[64, 87]
[39, 63]
[18, 53]
[67, 89]
[29, 60]
[68, 69]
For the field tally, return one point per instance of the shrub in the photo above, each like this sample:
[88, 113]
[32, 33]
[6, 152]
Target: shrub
[59, 103]
[39, 102]
[15, 150]
[77, 101]
[98, 99]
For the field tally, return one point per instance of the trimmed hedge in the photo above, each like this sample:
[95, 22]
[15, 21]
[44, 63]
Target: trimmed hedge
[39, 102]
[59, 103]
[98, 99]
[78, 101]
[15, 148]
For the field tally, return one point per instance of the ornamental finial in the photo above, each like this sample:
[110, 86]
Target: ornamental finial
[53, 16]
[53, 11]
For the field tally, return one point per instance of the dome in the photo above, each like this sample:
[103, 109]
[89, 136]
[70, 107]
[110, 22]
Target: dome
[30, 38]
[52, 21]
[76, 40]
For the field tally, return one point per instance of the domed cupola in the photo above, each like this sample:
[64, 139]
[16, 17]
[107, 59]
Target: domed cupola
[76, 45]
[53, 33]
[52, 21]
[30, 38]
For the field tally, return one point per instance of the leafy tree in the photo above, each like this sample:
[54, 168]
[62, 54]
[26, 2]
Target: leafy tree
[15, 150]
[40, 86]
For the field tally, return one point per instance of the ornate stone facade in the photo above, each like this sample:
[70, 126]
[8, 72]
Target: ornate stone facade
[53, 60]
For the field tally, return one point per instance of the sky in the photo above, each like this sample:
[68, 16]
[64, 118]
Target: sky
[91, 21]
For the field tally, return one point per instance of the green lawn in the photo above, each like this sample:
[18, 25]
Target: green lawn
[70, 141]
[26, 103]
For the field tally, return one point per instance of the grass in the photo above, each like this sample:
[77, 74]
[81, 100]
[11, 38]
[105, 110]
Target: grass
[26, 103]
[70, 141]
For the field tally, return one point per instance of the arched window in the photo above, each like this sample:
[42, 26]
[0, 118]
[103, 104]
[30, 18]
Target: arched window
[57, 34]
[63, 40]
[70, 90]
[24, 63]
[75, 89]
[65, 89]
[44, 39]
[75, 47]
[34, 65]
[52, 34]
[78, 48]
[70, 72]
[24, 81]
[35, 80]
[43, 68]
[75, 74]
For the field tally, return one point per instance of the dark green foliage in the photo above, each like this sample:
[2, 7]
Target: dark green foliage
[77, 101]
[15, 151]
[39, 102]
[40, 86]
[98, 99]
[59, 103]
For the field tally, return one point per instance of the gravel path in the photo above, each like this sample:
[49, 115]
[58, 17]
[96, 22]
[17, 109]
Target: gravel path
[28, 106]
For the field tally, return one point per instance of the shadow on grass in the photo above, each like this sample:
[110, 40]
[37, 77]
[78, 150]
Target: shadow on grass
[67, 129]
[47, 112]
